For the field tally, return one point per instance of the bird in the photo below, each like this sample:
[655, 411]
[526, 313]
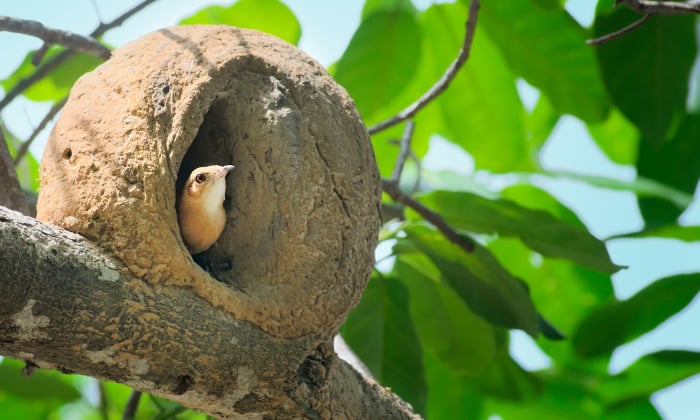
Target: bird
[200, 211]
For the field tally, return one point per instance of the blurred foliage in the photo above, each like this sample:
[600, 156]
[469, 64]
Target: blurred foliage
[434, 323]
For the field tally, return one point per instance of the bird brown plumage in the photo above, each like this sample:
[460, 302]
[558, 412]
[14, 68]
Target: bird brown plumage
[200, 210]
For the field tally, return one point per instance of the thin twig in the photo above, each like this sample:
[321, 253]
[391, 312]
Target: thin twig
[662, 7]
[59, 58]
[52, 36]
[391, 187]
[629, 28]
[404, 152]
[444, 81]
[393, 191]
[47, 118]
[132, 405]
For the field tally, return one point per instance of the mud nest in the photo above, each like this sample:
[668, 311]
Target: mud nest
[302, 203]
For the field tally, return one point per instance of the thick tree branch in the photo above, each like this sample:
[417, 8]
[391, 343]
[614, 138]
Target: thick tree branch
[51, 36]
[444, 81]
[61, 57]
[67, 305]
[11, 194]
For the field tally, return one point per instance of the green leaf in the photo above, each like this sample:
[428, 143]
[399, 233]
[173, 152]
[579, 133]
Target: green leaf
[682, 233]
[381, 333]
[28, 167]
[562, 291]
[643, 187]
[617, 137]
[540, 123]
[672, 163]
[650, 374]
[479, 280]
[535, 198]
[271, 16]
[538, 229]
[450, 395]
[640, 408]
[618, 322]
[547, 47]
[469, 346]
[381, 59]
[646, 70]
[481, 110]
[42, 385]
[375, 6]
[57, 83]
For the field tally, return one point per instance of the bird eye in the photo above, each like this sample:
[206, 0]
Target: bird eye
[199, 178]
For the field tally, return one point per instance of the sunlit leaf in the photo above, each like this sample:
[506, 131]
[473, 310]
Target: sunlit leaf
[538, 229]
[547, 48]
[481, 110]
[649, 374]
[41, 385]
[618, 322]
[381, 58]
[617, 137]
[28, 167]
[374, 6]
[646, 71]
[271, 16]
[57, 83]
[381, 333]
[479, 280]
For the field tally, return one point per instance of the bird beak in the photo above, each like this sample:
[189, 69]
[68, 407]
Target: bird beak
[223, 171]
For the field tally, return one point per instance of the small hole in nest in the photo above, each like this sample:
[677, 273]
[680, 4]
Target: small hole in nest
[67, 153]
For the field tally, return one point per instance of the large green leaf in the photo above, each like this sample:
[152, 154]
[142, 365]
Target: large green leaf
[547, 47]
[650, 374]
[673, 163]
[481, 110]
[564, 292]
[42, 385]
[374, 6]
[381, 333]
[478, 278]
[57, 83]
[469, 346]
[381, 58]
[271, 16]
[646, 70]
[618, 322]
[538, 229]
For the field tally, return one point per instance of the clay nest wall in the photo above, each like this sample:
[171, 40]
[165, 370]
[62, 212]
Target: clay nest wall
[302, 203]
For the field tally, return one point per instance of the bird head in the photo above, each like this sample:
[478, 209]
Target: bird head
[207, 185]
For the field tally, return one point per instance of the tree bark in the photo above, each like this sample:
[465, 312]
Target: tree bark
[67, 305]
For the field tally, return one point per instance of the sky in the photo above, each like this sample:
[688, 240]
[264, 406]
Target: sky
[327, 27]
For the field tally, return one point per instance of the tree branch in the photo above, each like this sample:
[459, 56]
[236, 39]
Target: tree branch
[444, 81]
[67, 305]
[392, 188]
[61, 57]
[51, 36]
[648, 9]
[662, 7]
